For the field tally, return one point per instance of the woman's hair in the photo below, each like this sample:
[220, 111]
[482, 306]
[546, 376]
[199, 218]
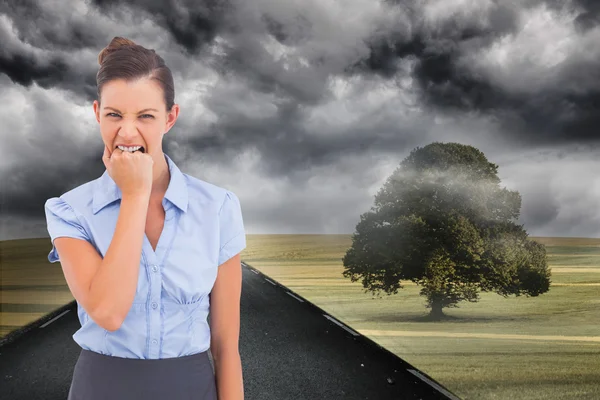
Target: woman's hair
[124, 59]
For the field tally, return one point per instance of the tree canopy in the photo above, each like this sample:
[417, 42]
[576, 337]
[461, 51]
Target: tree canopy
[442, 221]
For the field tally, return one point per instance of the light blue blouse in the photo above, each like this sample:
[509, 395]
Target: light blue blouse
[203, 228]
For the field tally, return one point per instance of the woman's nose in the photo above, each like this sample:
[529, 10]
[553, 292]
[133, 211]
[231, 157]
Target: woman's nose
[128, 130]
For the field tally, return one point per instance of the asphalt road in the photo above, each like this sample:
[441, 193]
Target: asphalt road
[290, 350]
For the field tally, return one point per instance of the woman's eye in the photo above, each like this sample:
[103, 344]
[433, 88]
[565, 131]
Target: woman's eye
[117, 115]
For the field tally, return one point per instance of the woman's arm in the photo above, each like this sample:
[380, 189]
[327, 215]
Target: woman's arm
[225, 329]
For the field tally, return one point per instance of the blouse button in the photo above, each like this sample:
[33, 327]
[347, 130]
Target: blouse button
[154, 305]
[155, 268]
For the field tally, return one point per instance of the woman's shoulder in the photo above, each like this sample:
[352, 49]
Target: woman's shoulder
[76, 198]
[207, 190]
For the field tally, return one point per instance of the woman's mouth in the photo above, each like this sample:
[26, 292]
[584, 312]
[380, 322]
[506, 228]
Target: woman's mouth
[132, 149]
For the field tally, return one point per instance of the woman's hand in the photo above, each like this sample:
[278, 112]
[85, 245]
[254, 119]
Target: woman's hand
[132, 172]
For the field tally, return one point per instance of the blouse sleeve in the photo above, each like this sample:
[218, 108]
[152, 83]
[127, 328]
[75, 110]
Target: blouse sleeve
[62, 222]
[232, 235]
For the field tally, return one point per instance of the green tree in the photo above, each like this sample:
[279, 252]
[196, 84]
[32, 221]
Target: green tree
[442, 221]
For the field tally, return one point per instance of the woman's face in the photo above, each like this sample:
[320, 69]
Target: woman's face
[133, 114]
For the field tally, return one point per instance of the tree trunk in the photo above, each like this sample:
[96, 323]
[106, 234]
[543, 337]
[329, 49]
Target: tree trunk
[436, 312]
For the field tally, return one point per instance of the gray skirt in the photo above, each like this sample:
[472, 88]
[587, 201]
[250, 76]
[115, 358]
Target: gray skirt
[98, 377]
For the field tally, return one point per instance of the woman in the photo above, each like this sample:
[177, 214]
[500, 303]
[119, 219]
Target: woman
[149, 252]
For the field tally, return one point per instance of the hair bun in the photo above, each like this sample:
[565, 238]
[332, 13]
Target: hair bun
[115, 44]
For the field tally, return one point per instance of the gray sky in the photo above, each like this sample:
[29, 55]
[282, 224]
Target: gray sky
[304, 107]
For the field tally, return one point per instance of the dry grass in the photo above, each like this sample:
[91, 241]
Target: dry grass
[499, 348]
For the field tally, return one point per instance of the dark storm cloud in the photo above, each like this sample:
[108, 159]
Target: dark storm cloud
[589, 12]
[22, 195]
[246, 57]
[191, 24]
[48, 159]
[559, 114]
[269, 71]
[286, 146]
[35, 29]
[551, 115]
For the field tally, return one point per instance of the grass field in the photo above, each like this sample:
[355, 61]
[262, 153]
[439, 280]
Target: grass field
[515, 348]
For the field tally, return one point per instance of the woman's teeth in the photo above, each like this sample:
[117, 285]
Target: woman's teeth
[131, 149]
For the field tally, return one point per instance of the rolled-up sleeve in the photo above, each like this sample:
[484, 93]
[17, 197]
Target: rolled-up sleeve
[232, 234]
[62, 222]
